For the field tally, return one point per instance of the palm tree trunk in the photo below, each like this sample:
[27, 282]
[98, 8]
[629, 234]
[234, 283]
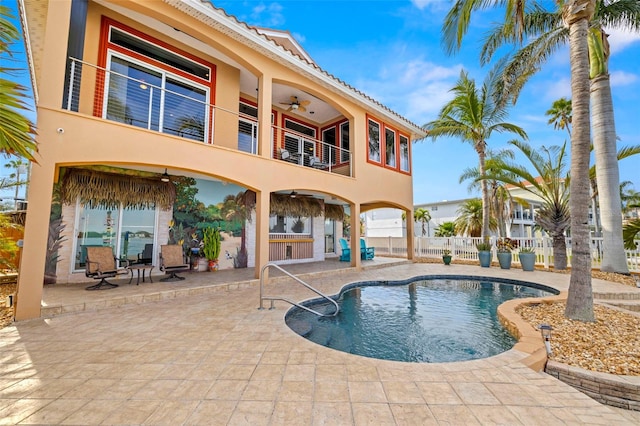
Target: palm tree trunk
[559, 252]
[486, 207]
[614, 258]
[577, 14]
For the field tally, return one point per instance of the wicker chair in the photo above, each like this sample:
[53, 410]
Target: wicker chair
[102, 264]
[172, 261]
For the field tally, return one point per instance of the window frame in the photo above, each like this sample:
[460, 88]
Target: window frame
[108, 49]
[368, 150]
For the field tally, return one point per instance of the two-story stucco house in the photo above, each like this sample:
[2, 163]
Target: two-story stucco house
[138, 99]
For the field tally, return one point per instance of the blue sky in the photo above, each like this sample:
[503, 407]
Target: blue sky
[391, 50]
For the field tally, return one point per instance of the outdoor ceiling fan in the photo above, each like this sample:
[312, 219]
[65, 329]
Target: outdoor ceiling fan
[296, 105]
[295, 194]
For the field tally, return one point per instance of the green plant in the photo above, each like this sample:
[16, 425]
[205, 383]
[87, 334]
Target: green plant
[504, 245]
[483, 246]
[527, 250]
[211, 243]
[446, 252]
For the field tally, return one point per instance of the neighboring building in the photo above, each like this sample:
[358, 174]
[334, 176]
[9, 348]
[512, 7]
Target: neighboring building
[384, 223]
[140, 102]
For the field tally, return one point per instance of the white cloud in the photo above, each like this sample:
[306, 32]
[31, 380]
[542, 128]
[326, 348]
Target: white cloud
[557, 89]
[269, 16]
[416, 89]
[422, 4]
[621, 78]
[620, 40]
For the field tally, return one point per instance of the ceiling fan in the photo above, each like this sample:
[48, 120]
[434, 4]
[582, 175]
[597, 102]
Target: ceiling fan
[295, 194]
[296, 105]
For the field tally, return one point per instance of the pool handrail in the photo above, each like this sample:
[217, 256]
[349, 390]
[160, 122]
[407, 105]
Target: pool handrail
[273, 298]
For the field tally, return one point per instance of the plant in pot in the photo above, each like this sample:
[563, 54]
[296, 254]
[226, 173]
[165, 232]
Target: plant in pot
[504, 247]
[527, 256]
[484, 254]
[211, 244]
[446, 256]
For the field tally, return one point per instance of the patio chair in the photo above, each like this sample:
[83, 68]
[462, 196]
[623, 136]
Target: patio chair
[366, 253]
[102, 264]
[146, 257]
[316, 163]
[172, 261]
[284, 155]
[345, 256]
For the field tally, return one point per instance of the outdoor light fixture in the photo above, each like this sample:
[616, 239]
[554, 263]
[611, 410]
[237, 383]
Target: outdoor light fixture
[545, 331]
[165, 176]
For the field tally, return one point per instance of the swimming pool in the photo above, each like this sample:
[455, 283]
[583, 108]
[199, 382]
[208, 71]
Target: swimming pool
[426, 319]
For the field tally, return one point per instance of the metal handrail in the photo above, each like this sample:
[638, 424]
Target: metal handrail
[272, 299]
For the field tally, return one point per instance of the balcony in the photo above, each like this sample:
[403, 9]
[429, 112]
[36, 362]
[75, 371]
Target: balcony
[133, 95]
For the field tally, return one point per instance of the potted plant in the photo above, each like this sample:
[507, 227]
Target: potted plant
[527, 256]
[504, 247]
[484, 254]
[446, 256]
[211, 244]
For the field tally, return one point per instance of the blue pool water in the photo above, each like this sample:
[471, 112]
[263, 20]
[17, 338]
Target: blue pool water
[430, 320]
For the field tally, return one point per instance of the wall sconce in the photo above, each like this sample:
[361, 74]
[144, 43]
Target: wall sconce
[165, 176]
[545, 331]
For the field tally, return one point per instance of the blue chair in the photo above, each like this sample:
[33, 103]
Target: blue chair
[366, 253]
[345, 256]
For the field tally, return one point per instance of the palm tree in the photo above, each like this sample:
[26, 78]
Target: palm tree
[423, 216]
[548, 34]
[560, 115]
[236, 208]
[629, 196]
[548, 182]
[17, 132]
[473, 115]
[18, 165]
[446, 229]
[498, 192]
[469, 220]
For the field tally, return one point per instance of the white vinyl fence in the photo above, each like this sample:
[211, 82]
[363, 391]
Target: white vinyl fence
[464, 248]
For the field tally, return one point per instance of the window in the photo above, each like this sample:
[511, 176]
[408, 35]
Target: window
[329, 145]
[404, 153]
[390, 147]
[127, 231]
[248, 129]
[300, 147]
[374, 141]
[154, 86]
[345, 155]
[289, 225]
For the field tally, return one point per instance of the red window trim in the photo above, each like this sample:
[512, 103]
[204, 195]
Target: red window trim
[383, 146]
[105, 46]
[336, 126]
[381, 125]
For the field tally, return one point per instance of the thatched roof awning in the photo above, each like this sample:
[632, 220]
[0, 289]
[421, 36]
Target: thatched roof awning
[109, 190]
[285, 205]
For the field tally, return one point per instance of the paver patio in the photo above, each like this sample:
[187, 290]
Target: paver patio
[211, 357]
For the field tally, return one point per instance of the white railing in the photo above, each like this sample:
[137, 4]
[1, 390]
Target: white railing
[464, 248]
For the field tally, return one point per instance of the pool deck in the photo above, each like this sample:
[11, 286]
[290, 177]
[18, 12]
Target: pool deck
[200, 352]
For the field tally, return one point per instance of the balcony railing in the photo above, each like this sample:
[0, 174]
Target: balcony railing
[183, 111]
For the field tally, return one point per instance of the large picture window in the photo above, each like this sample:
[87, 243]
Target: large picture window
[152, 85]
[127, 231]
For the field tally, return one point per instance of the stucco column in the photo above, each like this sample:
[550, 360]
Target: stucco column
[264, 115]
[55, 55]
[410, 237]
[262, 232]
[32, 261]
[355, 235]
